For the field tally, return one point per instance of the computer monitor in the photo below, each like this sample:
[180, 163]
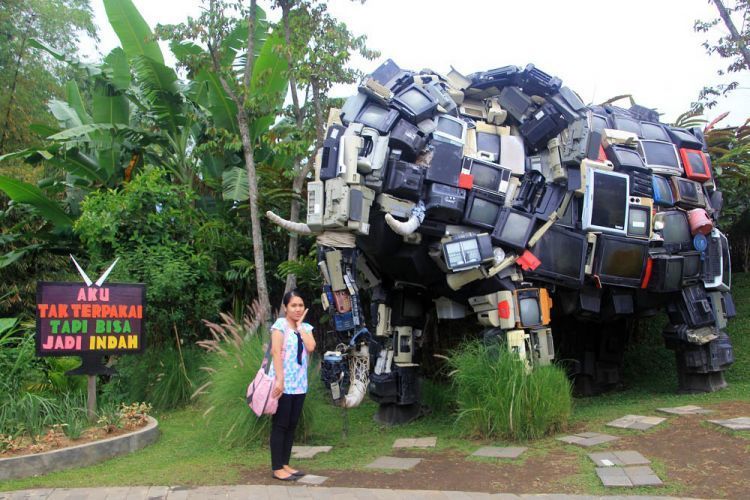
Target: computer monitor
[682, 138]
[654, 131]
[624, 158]
[666, 273]
[467, 251]
[513, 228]
[377, 117]
[487, 175]
[563, 255]
[660, 156]
[599, 123]
[415, 103]
[639, 217]
[446, 163]
[482, 209]
[696, 164]
[626, 123]
[488, 146]
[687, 193]
[532, 306]
[691, 271]
[450, 129]
[662, 191]
[674, 228]
[407, 309]
[605, 205]
[620, 261]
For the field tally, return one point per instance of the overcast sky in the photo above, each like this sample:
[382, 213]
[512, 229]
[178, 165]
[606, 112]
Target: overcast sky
[599, 48]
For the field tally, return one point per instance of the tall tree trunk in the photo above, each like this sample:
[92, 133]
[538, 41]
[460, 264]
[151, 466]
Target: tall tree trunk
[12, 93]
[736, 38]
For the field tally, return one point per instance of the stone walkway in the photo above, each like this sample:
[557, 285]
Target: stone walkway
[270, 493]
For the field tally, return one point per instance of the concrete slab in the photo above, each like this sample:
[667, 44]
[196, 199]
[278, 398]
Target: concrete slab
[685, 410]
[642, 476]
[396, 463]
[631, 457]
[613, 476]
[423, 442]
[587, 439]
[499, 451]
[312, 479]
[309, 451]
[736, 424]
[638, 422]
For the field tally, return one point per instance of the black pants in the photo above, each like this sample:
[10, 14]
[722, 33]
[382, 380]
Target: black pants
[283, 424]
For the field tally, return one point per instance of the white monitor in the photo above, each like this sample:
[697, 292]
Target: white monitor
[450, 129]
[605, 204]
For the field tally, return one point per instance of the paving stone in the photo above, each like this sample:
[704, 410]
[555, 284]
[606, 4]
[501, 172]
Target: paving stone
[309, 451]
[630, 457]
[587, 439]
[394, 463]
[424, 442]
[736, 424]
[37, 494]
[156, 492]
[499, 452]
[613, 476]
[605, 459]
[312, 479]
[638, 422]
[685, 410]
[642, 476]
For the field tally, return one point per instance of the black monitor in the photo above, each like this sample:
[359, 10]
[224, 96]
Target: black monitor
[407, 309]
[482, 209]
[688, 194]
[605, 205]
[660, 156]
[620, 261]
[654, 131]
[625, 158]
[488, 176]
[563, 256]
[675, 230]
[377, 117]
[572, 216]
[691, 271]
[415, 103]
[513, 228]
[599, 123]
[446, 163]
[666, 273]
[639, 221]
[628, 124]
[684, 139]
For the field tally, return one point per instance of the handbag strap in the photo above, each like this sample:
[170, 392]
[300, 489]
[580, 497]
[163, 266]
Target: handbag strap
[265, 365]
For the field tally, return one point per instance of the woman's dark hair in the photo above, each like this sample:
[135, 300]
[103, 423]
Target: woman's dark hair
[288, 296]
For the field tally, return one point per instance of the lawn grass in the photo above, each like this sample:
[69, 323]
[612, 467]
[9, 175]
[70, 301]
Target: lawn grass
[188, 454]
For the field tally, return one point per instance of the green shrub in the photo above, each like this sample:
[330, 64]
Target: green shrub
[73, 414]
[235, 354]
[163, 376]
[498, 397]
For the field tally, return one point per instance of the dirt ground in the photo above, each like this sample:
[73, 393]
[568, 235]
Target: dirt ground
[705, 460]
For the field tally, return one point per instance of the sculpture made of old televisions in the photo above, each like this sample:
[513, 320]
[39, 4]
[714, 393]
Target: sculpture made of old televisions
[501, 198]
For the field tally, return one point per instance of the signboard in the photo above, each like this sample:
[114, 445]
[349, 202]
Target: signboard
[74, 319]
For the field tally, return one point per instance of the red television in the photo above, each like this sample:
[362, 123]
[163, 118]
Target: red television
[696, 164]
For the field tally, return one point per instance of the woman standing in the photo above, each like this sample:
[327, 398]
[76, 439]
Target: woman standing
[291, 340]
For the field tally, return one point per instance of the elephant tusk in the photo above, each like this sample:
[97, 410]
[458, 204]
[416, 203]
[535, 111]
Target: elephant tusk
[295, 227]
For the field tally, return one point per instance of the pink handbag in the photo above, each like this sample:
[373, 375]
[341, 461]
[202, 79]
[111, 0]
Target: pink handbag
[259, 397]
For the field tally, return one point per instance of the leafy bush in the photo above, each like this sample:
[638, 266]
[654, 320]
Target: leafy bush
[155, 229]
[163, 376]
[498, 397]
[235, 354]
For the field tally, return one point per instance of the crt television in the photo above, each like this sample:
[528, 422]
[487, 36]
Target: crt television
[563, 256]
[674, 228]
[626, 123]
[660, 156]
[654, 131]
[415, 103]
[605, 205]
[482, 209]
[377, 117]
[467, 251]
[687, 194]
[488, 176]
[662, 191]
[620, 261]
[450, 129]
[513, 228]
[532, 306]
[696, 164]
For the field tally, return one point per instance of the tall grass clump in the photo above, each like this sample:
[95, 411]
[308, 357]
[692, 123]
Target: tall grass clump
[497, 397]
[234, 355]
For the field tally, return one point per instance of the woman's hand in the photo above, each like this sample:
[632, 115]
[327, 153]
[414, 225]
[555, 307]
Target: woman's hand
[278, 388]
[298, 323]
